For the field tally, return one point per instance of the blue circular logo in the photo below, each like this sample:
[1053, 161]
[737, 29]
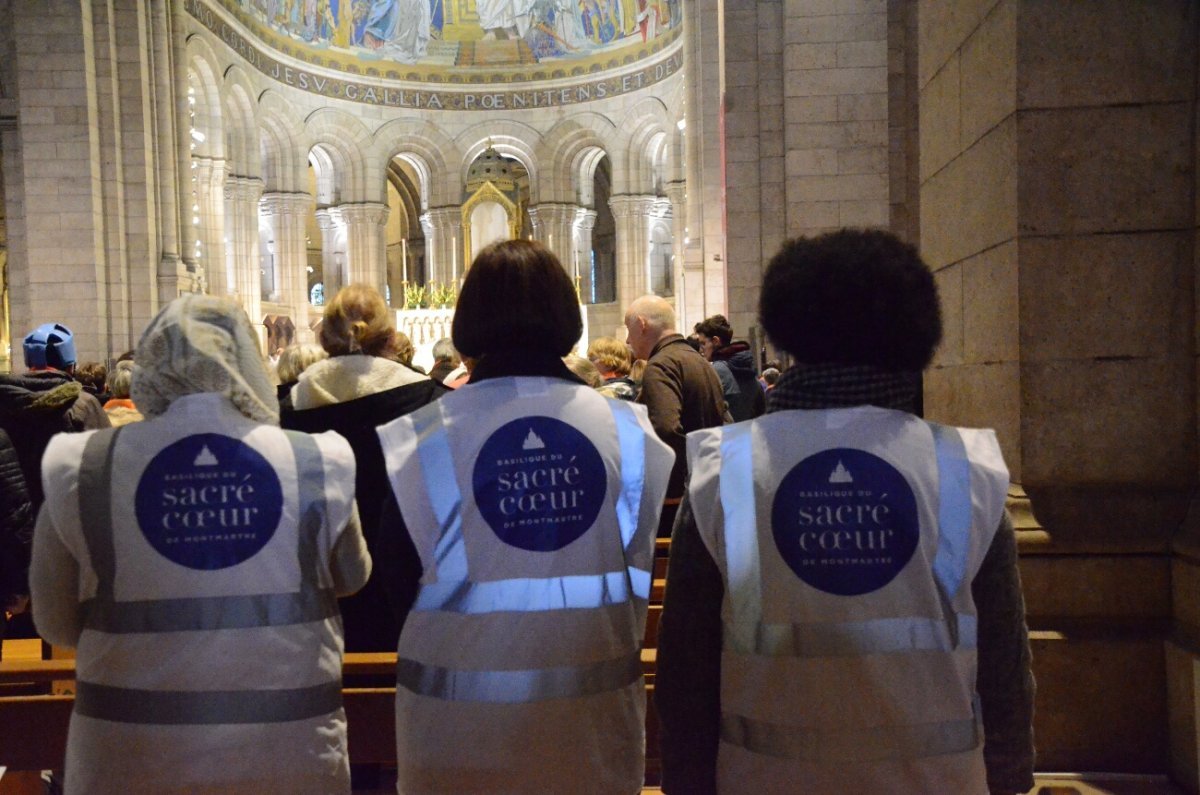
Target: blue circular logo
[845, 521]
[539, 483]
[208, 502]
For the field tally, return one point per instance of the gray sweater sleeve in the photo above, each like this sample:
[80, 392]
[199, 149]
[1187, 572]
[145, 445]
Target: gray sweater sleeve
[54, 585]
[1004, 681]
[687, 679]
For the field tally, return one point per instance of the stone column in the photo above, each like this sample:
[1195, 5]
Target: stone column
[332, 276]
[241, 228]
[556, 228]
[172, 148]
[444, 244]
[287, 214]
[631, 214]
[1058, 211]
[704, 134]
[209, 208]
[366, 242]
[677, 195]
[585, 222]
[536, 223]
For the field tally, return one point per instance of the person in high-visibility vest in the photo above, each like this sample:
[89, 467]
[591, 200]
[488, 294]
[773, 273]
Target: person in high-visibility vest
[528, 504]
[194, 560]
[843, 611]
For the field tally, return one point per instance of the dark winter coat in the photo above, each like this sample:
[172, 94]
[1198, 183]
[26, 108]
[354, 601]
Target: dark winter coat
[368, 618]
[683, 394]
[734, 364]
[37, 405]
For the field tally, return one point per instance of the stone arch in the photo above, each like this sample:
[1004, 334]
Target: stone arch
[511, 139]
[242, 154]
[570, 152]
[345, 143]
[283, 153]
[205, 108]
[431, 153]
[647, 123]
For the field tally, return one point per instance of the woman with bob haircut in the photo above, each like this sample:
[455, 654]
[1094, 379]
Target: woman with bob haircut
[517, 300]
[357, 388]
[530, 503]
[844, 611]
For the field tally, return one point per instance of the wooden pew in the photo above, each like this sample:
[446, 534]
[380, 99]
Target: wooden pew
[33, 727]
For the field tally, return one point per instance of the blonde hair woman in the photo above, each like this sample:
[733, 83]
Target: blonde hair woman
[293, 361]
[357, 388]
[120, 407]
[613, 359]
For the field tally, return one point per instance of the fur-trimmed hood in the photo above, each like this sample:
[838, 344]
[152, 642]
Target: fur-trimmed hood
[48, 392]
[341, 379]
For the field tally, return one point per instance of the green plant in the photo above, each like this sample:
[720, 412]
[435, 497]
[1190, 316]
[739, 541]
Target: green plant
[414, 296]
[442, 294]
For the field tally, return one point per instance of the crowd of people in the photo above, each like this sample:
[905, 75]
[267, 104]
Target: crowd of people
[211, 531]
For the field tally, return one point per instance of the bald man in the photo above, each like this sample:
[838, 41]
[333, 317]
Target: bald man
[679, 388]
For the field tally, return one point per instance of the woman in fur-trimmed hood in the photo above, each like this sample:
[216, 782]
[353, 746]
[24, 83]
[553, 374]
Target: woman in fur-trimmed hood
[357, 388]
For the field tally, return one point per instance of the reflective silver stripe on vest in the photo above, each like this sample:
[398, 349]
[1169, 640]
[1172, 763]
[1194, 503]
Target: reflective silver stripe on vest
[853, 638]
[632, 442]
[954, 508]
[518, 687]
[441, 484]
[528, 594]
[954, 530]
[192, 707]
[104, 613]
[741, 537]
[876, 744]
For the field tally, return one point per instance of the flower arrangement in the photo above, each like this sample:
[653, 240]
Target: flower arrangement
[442, 294]
[414, 295]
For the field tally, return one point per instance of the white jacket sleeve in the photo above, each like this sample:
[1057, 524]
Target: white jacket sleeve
[54, 585]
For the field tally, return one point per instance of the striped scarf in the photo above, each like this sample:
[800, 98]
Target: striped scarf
[830, 386]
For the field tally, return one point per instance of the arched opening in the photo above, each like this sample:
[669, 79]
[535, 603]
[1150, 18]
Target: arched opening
[603, 265]
[662, 260]
[406, 251]
[325, 239]
[495, 202]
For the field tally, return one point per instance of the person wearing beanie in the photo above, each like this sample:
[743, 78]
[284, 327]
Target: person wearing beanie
[194, 560]
[844, 612]
[45, 400]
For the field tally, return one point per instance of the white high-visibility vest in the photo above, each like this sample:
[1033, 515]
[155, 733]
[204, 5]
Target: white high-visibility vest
[847, 540]
[210, 657]
[533, 504]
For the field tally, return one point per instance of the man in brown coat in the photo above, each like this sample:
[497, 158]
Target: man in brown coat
[680, 389]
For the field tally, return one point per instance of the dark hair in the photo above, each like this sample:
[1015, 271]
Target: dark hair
[715, 326]
[852, 297]
[516, 297]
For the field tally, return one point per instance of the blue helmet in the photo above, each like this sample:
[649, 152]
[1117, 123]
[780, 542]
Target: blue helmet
[50, 345]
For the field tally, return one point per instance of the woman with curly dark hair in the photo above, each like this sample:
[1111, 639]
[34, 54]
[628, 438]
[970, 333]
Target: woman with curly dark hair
[844, 611]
